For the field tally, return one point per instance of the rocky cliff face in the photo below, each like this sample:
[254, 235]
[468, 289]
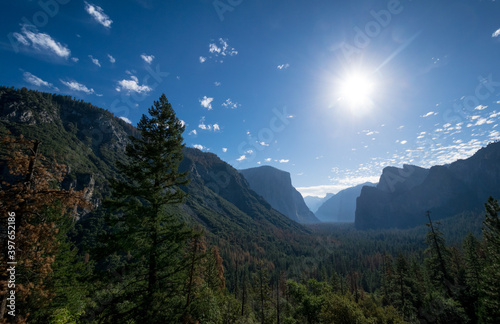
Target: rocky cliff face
[276, 188]
[404, 195]
[341, 208]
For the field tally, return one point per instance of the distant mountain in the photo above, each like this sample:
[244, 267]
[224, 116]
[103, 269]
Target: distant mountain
[340, 208]
[276, 187]
[314, 202]
[403, 196]
[89, 140]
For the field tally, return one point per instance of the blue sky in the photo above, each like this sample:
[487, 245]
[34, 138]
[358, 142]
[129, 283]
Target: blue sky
[330, 91]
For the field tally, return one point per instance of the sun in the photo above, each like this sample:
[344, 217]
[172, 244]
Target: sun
[356, 91]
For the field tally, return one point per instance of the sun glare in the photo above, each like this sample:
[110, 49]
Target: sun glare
[356, 91]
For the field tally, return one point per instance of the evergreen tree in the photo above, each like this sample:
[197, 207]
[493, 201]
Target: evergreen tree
[490, 288]
[39, 214]
[437, 262]
[146, 232]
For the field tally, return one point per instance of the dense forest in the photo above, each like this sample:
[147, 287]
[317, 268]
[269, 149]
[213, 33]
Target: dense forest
[132, 258]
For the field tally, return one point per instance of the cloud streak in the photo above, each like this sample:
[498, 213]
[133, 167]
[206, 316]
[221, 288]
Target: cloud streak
[42, 42]
[98, 14]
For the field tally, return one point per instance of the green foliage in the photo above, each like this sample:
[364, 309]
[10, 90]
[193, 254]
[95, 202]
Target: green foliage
[490, 288]
[146, 236]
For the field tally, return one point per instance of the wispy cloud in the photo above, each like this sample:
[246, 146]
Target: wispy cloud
[41, 42]
[496, 33]
[284, 161]
[206, 102]
[217, 83]
[430, 113]
[224, 149]
[147, 58]
[125, 119]
[199, 147]
[218, 51]
[111, 58]
[76, 86]
[36, 81]
[95, 61]
[98, 14]
[241, 158]
[132, 85]
[193, 132]
[215, 127]
[230, 104]
[283, 66]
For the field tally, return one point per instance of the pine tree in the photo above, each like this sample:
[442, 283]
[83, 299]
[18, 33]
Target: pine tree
[490, 288]
[40, 214]
[146, 230]
[437, 262]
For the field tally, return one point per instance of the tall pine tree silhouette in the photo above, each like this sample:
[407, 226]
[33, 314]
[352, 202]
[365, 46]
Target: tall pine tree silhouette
[146, 230]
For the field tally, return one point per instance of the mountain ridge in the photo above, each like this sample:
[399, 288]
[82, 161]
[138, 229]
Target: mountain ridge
[404, 195]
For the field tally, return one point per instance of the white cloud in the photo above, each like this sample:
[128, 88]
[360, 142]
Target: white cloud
[430, 113]
[206, 102]
[41, 41]
[480, 107]
[132, 85]
[36, 81]
[219, 50]
[199, 147]
[147, 58]
[125, 119]
[283, 66]
[340, 184]
[263, 143]
[95, 61]
[496, 33]
[111, 58]
[284, 161]
[224, 149]
[241, 158]
[217, 83]
[75, 59]
[193, 132]
[98, 14]
[73, 85]
[230, 104]
[404, 142]
[215, 127]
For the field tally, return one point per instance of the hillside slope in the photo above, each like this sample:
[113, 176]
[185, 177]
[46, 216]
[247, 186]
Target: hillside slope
[89, 140]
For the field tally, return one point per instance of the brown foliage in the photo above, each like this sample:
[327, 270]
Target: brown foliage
[40, 206]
